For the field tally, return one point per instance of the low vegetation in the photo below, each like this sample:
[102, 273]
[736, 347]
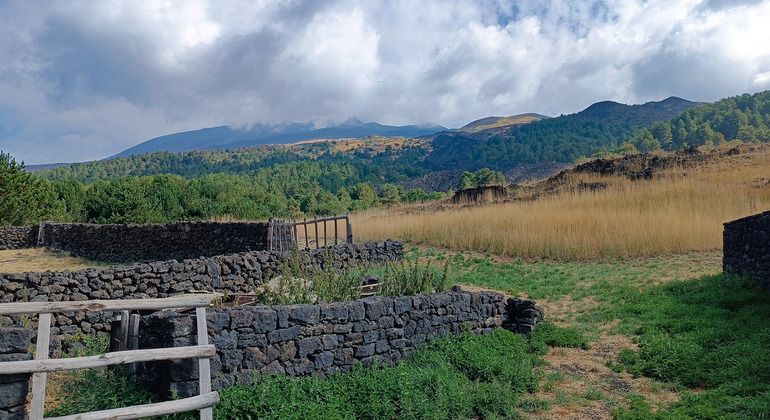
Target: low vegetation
[297, 284]
[463, 376]
[698, 334]
[680, 210]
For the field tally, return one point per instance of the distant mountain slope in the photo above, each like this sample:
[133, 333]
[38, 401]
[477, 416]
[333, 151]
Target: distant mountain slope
[499, 122]
[225, 137]
[601, 126]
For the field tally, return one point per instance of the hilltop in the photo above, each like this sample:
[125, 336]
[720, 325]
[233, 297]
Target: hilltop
[488, 123]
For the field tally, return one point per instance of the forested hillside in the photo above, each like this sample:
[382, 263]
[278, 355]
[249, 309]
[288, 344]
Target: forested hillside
[602, 126]
[745, 117]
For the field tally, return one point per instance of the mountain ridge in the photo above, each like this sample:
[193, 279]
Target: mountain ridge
[227, 137]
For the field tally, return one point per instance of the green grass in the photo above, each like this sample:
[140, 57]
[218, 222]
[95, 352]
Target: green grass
[706, 335]
[710, 335]
[462, 376]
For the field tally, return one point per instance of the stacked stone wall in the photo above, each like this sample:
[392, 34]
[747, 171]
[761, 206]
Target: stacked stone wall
[154, 242]
[322, 339]
[746, 246]
[234, 273]
[18, 237]
[14, 346]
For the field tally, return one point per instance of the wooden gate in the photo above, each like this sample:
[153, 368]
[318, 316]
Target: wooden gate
[307, 234]
[41, 364]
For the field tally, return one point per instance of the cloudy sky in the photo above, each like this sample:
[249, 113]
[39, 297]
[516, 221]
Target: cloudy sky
[82, 80]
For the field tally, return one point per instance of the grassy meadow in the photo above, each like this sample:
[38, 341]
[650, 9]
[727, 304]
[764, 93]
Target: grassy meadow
[680, 210]
[642, 338]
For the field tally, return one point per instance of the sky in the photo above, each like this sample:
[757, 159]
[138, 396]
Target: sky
[82, 80]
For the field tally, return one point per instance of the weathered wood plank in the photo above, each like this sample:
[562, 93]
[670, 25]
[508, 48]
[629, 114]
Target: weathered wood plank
[39, 380]
[133, 338]
[204, 367]
[149, 410]
[349, 229]
[107, 359]
[124, 315]
[186, 301]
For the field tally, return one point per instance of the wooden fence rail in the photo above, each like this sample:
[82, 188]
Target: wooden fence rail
[41, 365]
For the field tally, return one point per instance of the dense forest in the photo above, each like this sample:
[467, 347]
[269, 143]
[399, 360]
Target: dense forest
[389, 165]
[292, 189]
[745, 117]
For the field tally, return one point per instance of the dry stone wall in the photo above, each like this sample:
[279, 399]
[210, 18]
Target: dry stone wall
[14, 346]
[17, 237]
[322, 339]
[154, 242]
[747, 247]
[234, 273]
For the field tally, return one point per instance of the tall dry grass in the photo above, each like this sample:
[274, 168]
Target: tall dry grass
[679, 212]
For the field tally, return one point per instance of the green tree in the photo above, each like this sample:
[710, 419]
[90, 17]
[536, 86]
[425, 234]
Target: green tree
[24, 197]
[391, 194]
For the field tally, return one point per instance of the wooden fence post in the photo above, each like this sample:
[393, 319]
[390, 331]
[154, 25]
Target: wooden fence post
[317, 244]
[37, 405]
[349, 230]
[133, 337]
[204, 369]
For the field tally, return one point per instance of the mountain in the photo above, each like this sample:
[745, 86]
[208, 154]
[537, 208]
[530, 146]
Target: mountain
[500, 122]
[644, 114]
[602, 126]
[521, 148]
[225, 137]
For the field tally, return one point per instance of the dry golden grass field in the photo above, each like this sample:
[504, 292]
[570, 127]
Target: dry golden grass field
[39, 259]
[679, 210]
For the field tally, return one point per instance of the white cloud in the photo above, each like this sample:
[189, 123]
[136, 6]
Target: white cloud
[82, 80]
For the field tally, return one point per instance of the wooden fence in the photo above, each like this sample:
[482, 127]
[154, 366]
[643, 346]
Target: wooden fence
[41, 364]
[315, 233]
